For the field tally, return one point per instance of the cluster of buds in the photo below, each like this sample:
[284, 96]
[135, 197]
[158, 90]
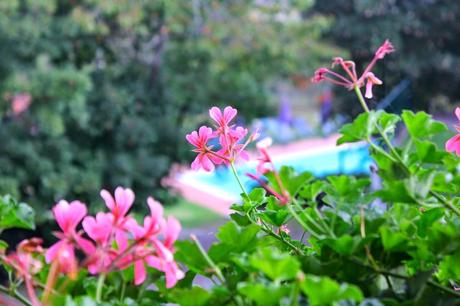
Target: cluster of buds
[265, 165]
[351, 80]
[230, 138]
[110, 241]
[453, 144]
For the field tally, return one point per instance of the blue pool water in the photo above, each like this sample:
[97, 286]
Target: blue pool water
[349, 159]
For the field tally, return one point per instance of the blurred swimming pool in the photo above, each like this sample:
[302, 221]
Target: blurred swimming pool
[346, 159]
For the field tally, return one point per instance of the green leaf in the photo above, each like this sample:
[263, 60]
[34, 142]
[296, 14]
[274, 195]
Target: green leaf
[344, 245]
[240, 238]
[15, 215]
[419, 185]
[421, 125]
[276, 265]
[360, 129]
[325, 291]
[427, 152]
[264, 294]
[189, 254]
[257, 195]
[195, 296]
[3, 246]
[393, 240]
[274, 213]
[387, 122]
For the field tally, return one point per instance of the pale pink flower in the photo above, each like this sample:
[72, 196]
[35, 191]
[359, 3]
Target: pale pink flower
[371, 80]
[20, 103]
[23, 260]
[351, 79]
[453, 144]
[265, 163]
[68, 216]
[385, 48]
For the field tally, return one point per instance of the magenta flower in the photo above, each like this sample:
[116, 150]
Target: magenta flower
[68, 216]
[149, 249]
[119, 207]
[453, 144]
[101, 230]
[351, 79]
[162, 262]
[206, 158]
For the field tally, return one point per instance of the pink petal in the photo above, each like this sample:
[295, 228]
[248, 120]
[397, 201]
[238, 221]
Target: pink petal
[109, 201]
[229, 114]
[60, 214]
[172, 231]
[205, 133]
[192, 138]
[156, 210]
[453, 144]
[124, 199]
[52, 252]
[368, 89]
[173, 274]
[215, 114]
[121, 239]
[457, 113]
[206, 163]
[139, 272]
[85, 245]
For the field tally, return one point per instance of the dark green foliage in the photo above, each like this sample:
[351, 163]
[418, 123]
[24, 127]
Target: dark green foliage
[115, 85]
[426, 37]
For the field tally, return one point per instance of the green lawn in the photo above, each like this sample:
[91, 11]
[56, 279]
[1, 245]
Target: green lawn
[191, 215]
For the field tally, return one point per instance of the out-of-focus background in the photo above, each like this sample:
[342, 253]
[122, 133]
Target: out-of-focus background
[96, 94]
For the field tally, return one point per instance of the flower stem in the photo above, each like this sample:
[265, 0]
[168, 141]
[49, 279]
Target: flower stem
[238, 178]
[13, 293]
[100, 284]
[361, 99]
[50, 281]
[215, 268]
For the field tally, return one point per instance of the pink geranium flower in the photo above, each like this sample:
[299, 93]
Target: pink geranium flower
[101, 230]
[206, 158]
[224, 118]
[351, 79]
[149, 248]
[119, 207]
[68, 216]
[163, 263]
[453, 144]
[231, 140]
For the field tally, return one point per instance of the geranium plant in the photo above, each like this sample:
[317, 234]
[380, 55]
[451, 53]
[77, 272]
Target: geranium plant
[395, 245]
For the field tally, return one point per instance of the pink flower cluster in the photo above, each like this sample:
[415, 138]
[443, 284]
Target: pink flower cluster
[265, 165]
[453, 144]
[112, 240]
[230, 139]
[351, 79]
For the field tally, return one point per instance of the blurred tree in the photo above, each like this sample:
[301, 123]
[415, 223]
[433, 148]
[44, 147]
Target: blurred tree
[114, 85]
[426, 34]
